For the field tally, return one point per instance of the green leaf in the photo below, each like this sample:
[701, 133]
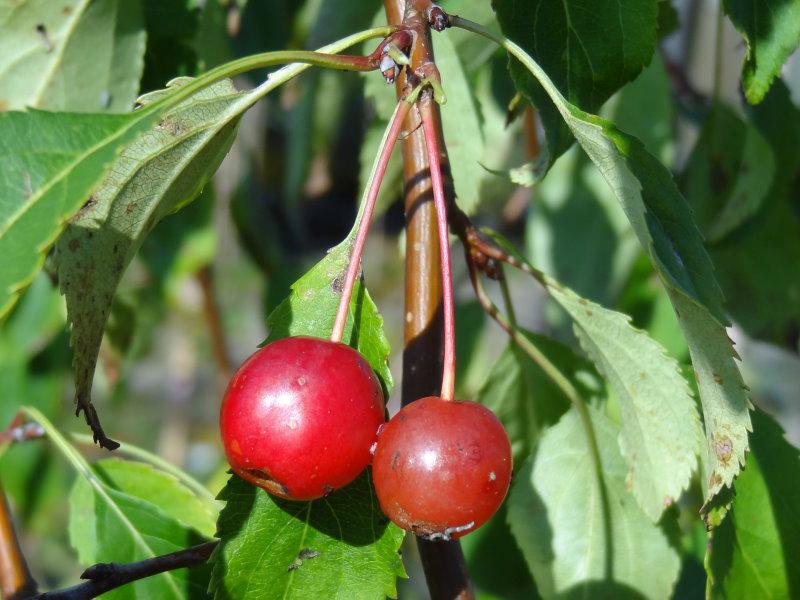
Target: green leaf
[757, 264]
[660, 432]
[753, 554]
[114, 526]
[579, 541]
[461, 126]
[663, 223]
[771, 29]
[729, 173]
[143, 481]
[588, 48]
[172, 27]
[311, 307]
[660, 425]
[576, 229]
[52, 162]
[75, 55]
[110, 522]
[157, 174]
[524, 397]
[340, 546]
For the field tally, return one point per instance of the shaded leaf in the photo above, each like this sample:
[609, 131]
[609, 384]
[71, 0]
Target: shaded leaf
[753, 554]
[496, 565]
[461, 126]
[578, 541]
[75, 55]
[771, 29]
[729, 174]
[172, 27]
[525, 399]
[588, 48]
[757, 263]
[340, 546]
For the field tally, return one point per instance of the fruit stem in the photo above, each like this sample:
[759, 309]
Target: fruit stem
[432, 147]
[365, 216]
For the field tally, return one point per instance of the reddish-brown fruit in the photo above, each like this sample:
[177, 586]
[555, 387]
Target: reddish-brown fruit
[442, 468]
[300, 416]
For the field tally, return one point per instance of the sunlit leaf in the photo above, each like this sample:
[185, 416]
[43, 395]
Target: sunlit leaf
[771, 29]
[525, 399]
[74, 55]
[340, 546]
[663, 222]
[583, 537]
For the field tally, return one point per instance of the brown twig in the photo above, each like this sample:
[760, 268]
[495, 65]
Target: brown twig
[205, 277]
[103, 577]
[18, 431]
[443, 562]
[16, 581]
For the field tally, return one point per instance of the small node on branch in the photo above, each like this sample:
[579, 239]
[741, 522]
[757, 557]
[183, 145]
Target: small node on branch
[392, 54]
[437, 18]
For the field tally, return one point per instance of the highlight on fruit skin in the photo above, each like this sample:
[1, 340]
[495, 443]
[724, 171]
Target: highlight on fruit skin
[442, 468]
[299, 417]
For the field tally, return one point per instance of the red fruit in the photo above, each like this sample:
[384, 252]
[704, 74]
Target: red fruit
[442, 468]
[299, 417]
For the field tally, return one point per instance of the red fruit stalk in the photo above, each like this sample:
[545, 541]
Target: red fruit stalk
[365, 219]
[432, 147]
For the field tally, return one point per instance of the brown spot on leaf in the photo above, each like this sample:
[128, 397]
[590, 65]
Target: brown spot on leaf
[130, 208]
[723, 448]
[718, 378]
[337, 285]
[714, 480]
[67, 10]
[74, 244]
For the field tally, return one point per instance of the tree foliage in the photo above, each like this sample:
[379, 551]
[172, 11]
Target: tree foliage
[166, 205]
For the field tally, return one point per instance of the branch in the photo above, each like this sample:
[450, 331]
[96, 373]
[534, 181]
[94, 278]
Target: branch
[16, 581]
[443, 562]
[205, 277]
[103, 577]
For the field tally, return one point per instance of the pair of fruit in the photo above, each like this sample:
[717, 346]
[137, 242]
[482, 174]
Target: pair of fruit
[303, 416]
